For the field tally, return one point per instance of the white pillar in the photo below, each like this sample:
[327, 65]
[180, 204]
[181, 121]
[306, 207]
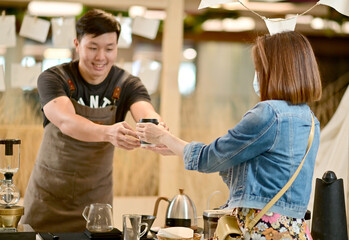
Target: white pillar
[172, 43]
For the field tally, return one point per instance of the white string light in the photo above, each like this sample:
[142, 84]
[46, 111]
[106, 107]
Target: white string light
[276, 25]
[262, 17]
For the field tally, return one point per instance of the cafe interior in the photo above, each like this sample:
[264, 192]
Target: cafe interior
[194, 58]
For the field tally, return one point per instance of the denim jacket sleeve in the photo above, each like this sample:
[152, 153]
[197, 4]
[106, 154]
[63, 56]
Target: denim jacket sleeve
[252, 136]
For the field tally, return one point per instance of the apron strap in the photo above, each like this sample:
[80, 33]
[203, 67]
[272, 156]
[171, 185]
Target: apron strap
[117, 91]
[65, 75]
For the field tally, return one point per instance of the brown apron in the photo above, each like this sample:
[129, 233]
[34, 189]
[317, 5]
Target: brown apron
[68, 175]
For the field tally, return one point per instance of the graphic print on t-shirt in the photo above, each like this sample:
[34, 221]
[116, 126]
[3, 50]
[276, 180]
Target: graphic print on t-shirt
[94, 100]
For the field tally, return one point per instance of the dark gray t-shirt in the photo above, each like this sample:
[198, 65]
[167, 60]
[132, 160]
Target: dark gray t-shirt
[53, 83]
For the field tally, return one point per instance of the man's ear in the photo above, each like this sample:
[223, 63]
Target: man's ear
[76, 43]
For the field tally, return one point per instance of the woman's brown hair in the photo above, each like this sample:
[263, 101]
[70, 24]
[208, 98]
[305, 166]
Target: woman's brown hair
[286, 68]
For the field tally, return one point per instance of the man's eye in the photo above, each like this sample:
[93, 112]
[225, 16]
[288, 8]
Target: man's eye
[92, 48]
[110, 49]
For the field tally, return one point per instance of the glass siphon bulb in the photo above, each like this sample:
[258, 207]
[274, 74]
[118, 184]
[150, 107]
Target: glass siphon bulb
[9, 194]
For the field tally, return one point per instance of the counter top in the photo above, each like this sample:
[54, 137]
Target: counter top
[62, 236]
[115, 234]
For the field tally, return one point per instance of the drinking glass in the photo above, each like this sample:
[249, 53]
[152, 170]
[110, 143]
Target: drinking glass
[132, 226]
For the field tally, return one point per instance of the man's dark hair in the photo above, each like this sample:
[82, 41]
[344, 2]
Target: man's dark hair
[97, 22]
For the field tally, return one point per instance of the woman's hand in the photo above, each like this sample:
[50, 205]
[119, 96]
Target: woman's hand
[161, 149]
[150, 132]
[166, 143]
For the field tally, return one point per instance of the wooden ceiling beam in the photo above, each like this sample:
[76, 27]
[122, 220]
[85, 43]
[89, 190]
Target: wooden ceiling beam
[191, 6]
[112, 4]
[156, 4]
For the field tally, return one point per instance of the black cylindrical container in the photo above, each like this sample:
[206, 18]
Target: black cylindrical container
[148, 120]
[329, 215]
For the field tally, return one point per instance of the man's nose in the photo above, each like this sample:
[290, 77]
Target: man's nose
[100, 54]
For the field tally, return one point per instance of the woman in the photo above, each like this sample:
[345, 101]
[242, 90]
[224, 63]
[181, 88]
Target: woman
[259, 155]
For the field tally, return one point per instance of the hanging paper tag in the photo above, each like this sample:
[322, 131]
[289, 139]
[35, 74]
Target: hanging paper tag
[125, 39]
[25, 76]
[63, 32]
[277, 25]
[341, 6]
[34, 28]
[8, 31]
[209, 3]
[144, 27]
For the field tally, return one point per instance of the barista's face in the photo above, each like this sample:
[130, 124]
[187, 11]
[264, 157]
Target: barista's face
[96, 56]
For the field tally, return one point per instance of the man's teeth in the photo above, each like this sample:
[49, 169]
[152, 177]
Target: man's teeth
[99, 65]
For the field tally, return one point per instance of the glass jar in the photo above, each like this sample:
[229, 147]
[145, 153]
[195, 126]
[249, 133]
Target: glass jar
[211, 218]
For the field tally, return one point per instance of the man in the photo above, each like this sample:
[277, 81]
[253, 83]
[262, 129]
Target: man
[84, 103]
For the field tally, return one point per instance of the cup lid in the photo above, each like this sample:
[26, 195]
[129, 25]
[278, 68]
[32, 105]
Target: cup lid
[149, 120]
[216, 213]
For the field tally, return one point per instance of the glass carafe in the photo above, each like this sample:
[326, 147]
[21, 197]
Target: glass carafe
[99, 217]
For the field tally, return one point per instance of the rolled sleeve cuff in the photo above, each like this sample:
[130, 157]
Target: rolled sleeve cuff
[191, 155]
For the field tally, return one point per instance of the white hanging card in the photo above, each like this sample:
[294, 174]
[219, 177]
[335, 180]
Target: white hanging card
[277, 25]
[8, 31]
[341, 6]
[24, 76]
[144, 27]
[149, 73]
[209, 3]
[34, 28]
[125, 39]
[63, 32]
[2, 79]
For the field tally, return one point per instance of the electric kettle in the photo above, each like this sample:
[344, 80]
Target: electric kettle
[181, 211]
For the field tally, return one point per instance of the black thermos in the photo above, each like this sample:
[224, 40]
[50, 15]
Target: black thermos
[329, 215]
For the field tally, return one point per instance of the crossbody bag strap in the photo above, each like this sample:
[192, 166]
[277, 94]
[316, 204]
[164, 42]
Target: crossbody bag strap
[289, 183]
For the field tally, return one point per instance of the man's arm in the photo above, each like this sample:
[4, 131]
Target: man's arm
[60, 111]
[143, 109]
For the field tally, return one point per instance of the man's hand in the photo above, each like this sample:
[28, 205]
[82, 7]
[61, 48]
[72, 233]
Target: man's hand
[123, 136]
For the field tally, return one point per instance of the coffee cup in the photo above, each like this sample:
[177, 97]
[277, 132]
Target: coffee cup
[148, 120]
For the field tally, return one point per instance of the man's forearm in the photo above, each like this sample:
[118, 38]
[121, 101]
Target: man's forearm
[83, 129]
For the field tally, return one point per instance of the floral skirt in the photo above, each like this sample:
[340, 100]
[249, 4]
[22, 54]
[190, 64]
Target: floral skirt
[272, 226]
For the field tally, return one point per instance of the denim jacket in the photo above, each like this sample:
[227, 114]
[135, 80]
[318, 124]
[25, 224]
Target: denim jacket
[260, 154]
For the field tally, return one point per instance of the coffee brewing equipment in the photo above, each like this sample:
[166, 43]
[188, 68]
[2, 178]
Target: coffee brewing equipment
[10, 214]
[181, 211]
[211, 218]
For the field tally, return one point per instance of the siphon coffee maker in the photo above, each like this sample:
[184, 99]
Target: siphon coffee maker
[10, 214]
